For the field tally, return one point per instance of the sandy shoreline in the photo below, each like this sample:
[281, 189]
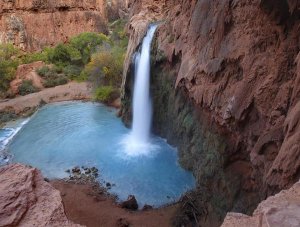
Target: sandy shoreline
[25, 106]
[67, 92]
[87, 206]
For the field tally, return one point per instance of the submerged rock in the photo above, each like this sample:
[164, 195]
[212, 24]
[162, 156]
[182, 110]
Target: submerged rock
[27, 200]
[130, 203]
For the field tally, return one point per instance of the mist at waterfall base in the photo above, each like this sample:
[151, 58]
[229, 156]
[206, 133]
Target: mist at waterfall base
[64, 135]
[138, 141]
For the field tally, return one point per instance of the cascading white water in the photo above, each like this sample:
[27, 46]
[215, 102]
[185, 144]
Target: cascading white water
[142, 109]
[137, 143]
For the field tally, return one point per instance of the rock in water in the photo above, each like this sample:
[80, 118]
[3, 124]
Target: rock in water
[27, 200]
[76, 170]
[94, 170]
[130, 203]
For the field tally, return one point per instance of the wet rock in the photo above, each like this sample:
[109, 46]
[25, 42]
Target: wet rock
[68, 171]
[130, 203]
[108, 185]
[147, 207]
[87, 171]
[94, 170]
[76, 170]
[46, 179]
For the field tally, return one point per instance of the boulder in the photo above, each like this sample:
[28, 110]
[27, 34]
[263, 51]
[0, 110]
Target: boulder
[147, 207]
[76, 170]
[281, 210]
[130, 203]
[26, 199]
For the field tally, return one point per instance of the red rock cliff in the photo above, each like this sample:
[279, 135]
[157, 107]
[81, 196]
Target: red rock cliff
[33, 24]
[27, 200]
[238, 63]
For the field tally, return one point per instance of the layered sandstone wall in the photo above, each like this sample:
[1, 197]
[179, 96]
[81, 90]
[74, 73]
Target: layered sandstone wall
[282, 210]
[34, 24]
[226, 92]
[27, 200]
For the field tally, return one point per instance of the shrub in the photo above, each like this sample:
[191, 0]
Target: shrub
[51, 76]
[34, 57]
[105, 68]
[105, 94]
[43, 71]
[86, 43]
[60, 80]
[27, 87]
[72, 71]
[8, 64]
[60, 55]
[118, 33]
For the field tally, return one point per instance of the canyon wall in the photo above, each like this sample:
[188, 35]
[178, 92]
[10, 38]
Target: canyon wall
[26, 199]
[34, 24]
[226, 92]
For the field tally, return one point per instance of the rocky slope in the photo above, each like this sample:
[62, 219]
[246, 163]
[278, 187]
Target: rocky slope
[281, 210]
[33, 24]
[225, 87]
[27, 200]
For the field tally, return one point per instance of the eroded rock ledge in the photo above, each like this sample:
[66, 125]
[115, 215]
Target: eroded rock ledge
[34, 24]
[27, 200]
[225, 85]
[281, 210]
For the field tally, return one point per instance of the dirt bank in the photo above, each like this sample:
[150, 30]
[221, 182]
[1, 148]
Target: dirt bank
[70, 91]
[86, 206]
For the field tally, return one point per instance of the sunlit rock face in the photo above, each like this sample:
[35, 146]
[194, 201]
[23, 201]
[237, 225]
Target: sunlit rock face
[27, 200]
[32, 25]
[227, 74]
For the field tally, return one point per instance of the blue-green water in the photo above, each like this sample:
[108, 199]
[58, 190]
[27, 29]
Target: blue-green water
[61, 136]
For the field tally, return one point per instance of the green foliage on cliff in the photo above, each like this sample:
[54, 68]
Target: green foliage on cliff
[105, 68]
[52, 76]
[8, 66]
[87, 43]
[106, 65]
[106, 94]
[27, 88]
[87, 56]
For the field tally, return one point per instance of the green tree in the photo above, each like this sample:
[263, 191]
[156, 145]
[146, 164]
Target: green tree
[87, 43]
[8, 64]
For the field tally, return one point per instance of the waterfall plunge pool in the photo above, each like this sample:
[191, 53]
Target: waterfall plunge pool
[63, 135]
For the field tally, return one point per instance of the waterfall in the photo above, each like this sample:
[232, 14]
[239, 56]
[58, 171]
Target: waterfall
[138, 141]
[142, 109]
